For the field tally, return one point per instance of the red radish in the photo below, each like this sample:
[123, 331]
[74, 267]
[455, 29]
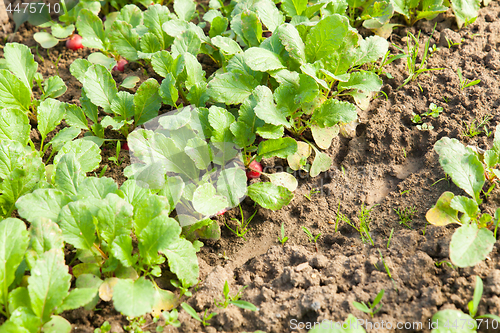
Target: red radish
[255, 168]
[120, 65]
[267, 34]
[125, 146]
[74, 43]
[221, 212]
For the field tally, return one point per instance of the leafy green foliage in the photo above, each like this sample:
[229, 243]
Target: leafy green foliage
[469, 170]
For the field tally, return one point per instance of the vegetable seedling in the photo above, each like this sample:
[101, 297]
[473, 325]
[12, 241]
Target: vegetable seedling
[242, 226]
[405, 215]
[425, 127]
[312, 192]
[105, 328]
[74, 42]
[371, 308]
[192, 312]
[312, 239]
[434, 110]
[283, 238]
[234, 300]
[464, 82]
[116, 158]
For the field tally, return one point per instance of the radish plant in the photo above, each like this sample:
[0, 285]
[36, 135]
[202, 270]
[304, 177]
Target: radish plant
[469, 170]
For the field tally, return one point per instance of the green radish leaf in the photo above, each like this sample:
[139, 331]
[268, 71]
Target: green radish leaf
[46, 40]
[308, 90]
[149, 209]
[371, 49]
[260, 59]
[192, 70]
[269, 14]
[321, 163]
[445, 317]
[147, 101]
[123, 105]
[470, 245]
[130, 82]
[291, 40]
[403, 7]
[130, 14]
[269, 131]
[218, 26]
[114, 218]
[57, 324]
[267, 110]
[98, 58]
[269, 195]
[48, 284]
[77, 225]
[232, 184]
[44, 236]
[326, 37]
[173, 189]
[21, 62]
[168, 92]
[91, 29]
[496, 140]
[363, 81]
[125, 40]
[465, 205]
[50, 114]
[226, 45]
[18, 298]
[463, 165]
[63, 136]
[99, 188]
[154, 18]
[133, 193]
[185, 9]
[75, 117]
[87, 153]
[199, 152]
[13, 245]
[42, 203]
[159, 232]
[207, 202]
[465, 11]
[442, 213]
[281, 148]
[220, 119]
[14, 125]
[68, 175]
[324, 136]
[100, 87]
[187, 42]
[60, 31]
[149, 45]
[333, 112]
[13, 92]
[77, 298]
[162, 63]
[284, 179]
[491, 158]
[54, 87]
[251, 28]
[133, 298]
[122, 250]
[294, 7]
[231, 88]
[182, 260]
[78, 68]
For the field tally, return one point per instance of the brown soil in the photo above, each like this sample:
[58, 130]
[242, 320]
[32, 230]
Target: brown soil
[386, 164]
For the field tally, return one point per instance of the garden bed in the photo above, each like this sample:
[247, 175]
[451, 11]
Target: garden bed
[383, 164]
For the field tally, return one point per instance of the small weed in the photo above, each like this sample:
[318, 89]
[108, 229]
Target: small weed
[451, 43]
[312, 239]
[447, 263]
[242, 226]
[116, 158]
[192, 312]
[425, 127]
[183, 290]
[406, 215]
[364, 223]
[390, 237]
[371, 308]
[446, 99]
[235, 300]
[171, 318]
[404, 153]
[311, 193]
[416, 118]
[433, 50]
[283, 238]
[413, 67]
[476, 127]
[405, 192]
[434, 111]
[465, 83]
[105, 328]
[387, 270]
[136, 325]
